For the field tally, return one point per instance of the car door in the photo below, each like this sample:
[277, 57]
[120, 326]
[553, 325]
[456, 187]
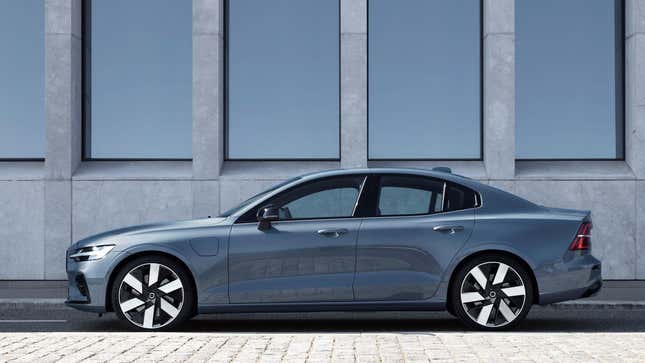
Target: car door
[415, 226]
[308, 255]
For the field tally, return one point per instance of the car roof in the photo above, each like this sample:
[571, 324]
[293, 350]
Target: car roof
[493, 198]
[412, 171]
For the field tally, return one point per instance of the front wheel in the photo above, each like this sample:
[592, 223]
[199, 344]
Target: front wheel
[492, 292]
[153, 292]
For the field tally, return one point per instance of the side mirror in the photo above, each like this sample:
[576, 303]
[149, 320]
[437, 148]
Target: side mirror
[266, 215]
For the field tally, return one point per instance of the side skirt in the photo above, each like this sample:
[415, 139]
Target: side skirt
[324, 306]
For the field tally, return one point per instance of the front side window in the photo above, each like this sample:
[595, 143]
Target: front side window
[568, 67]
[282, 79]
[424, 79]
[138, 77]
[327, 198]
[401, 195]
[22, 79]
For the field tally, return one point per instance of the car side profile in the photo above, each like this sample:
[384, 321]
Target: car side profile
[355, 239]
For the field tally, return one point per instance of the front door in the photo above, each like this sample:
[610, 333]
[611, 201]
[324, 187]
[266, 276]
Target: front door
[417, 226]
[308, 255]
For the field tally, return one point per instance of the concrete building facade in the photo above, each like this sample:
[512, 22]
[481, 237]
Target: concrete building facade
[46, 205]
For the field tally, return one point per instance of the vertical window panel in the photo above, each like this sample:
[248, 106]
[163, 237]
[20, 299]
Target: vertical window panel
[424, 79]
[22, 79]
[568, 79]
[283, 79]
[140, 68]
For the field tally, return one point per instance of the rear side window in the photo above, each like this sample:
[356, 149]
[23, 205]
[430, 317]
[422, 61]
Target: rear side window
[401, 195]
[459, 197]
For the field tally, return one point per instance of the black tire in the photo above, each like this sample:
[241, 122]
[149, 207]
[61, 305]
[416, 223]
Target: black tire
[180, 302]
[494, 304]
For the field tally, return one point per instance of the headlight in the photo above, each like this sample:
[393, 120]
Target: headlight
[91, 253]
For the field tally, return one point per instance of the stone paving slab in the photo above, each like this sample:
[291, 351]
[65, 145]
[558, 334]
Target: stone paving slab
[317, 347]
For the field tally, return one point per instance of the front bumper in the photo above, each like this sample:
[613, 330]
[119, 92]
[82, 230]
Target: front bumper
[87, 282]
[578, 276]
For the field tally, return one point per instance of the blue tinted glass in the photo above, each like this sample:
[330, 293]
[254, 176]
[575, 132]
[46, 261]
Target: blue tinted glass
[566, 79]
[22, 79]
[141, 76]
[424, 79]
[283, 79]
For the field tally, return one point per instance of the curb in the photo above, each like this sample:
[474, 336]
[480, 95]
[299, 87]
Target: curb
[27, 303]
[595, 305]
[52, 303]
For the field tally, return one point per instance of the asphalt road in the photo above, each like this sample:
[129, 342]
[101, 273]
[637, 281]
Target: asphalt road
[63, 319]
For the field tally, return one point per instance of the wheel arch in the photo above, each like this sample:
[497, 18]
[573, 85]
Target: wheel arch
[115, 270]
[465, 259]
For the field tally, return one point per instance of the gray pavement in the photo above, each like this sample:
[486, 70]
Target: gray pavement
[35, 326]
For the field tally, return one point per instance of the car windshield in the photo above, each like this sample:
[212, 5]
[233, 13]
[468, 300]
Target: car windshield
[256, 197]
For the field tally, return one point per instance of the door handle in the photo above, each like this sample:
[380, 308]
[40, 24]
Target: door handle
[448, 229]
[332, 232]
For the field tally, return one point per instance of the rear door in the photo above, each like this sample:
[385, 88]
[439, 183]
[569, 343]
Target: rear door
[411, 231]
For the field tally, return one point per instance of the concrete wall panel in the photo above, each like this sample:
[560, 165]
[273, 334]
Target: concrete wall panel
[640, 230]
[234, 191]
[205, 198]
[21, 230]
[58, 227]
[98, 206]
[613, 211]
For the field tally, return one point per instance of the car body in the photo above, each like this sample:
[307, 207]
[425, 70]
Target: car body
[355, 239]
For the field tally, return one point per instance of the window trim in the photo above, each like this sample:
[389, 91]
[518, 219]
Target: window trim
[225, 106]
[86, 93]
[12, 160]
[374, 189]
[362, 192]
[481, 97]
[619, 93]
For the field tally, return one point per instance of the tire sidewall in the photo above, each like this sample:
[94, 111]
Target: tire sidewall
[184, 276]
[455, 290]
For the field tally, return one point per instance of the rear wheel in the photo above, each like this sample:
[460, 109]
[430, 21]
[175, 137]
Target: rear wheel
[152, 293]
[492, 292]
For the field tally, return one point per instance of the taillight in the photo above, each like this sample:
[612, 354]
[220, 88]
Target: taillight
[583, 238]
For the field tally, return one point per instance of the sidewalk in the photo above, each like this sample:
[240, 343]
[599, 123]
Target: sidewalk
[329, 347]
[26, 294]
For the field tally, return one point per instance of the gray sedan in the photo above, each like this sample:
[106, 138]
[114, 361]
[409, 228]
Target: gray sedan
[361, 239]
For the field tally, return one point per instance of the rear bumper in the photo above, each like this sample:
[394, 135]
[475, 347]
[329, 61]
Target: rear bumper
[578, 277]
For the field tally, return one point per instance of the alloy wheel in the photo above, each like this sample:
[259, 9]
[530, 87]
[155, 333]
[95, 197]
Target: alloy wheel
[151, 295]
[493, 294]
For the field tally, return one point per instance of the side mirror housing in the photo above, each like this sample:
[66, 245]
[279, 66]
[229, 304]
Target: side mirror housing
[266, 215]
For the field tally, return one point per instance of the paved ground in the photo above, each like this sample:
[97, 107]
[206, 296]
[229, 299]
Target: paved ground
[51, 333]
[307, 347]
[35, 327]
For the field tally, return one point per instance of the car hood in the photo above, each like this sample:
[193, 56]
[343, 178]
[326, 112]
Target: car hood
[122, 235]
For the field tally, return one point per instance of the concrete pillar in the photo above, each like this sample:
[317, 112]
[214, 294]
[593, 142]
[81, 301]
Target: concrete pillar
[635, 86]
[353, 85]
[63, 114]
[208, 105]
[499, 88]
[208, 88]
[635, 115]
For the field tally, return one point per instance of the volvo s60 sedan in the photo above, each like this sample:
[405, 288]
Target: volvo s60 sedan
[361, 239]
